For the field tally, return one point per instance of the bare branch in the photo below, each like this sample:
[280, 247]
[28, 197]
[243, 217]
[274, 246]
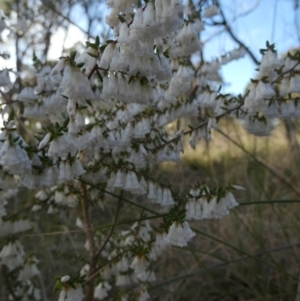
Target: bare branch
[236, 39]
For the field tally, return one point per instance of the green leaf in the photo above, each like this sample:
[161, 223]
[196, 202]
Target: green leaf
[166, 53]
[89, 102]
[66, 121]
[73, 55]
[89, 126]
[97, 41]
[92, 54]
[131, 78]
[102, 47]
[92, 45]
[144, 81]
[80, 65]
[121, 18]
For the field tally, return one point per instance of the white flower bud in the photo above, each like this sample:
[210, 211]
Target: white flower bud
[65, 278]
[105, 58]
[44, 141]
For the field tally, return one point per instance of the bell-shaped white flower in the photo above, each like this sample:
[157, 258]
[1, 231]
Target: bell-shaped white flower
[179, 234]
[68, 293]
[4, 77]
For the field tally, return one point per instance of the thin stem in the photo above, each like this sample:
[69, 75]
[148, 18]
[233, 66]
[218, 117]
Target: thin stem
[52, 7]
[269, 202]
[43, 288]
[222, 265]
[92, 71]
[196, 128]
[238, 250]
[112, 228]
[91, 277]
[8, 103]
[90, 237]
[126, 222]
[122, 198]
[236, 39]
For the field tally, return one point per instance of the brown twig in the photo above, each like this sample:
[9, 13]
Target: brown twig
[91, 277]
[196, 128]
[52, 7]
[92, 71]
[235, 38]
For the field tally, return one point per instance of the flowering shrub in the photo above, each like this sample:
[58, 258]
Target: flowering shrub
[103, 130]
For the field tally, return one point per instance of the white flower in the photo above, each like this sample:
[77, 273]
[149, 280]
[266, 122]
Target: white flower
[12, 255]
[149, 15]
[20, 226]
[179, 234]
[58, 67]
[212, 124]
[268, 65]
[139, 264]
[146, 276]
[193, 209]
[124, 33]
[122, 265]
[15, 159]
[89, 61]
[131, 182]
[29, 270]
[4, 76]
[105, 57]
[2, 25]
[44, 141]
[143, 295]
[208, 207]
[71, 294]
[79, 223]
[101, 290]
[85, 270]
[167, 199]
[27, 94]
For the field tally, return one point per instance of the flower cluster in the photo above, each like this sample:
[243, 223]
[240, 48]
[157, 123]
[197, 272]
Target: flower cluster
[106, 121]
